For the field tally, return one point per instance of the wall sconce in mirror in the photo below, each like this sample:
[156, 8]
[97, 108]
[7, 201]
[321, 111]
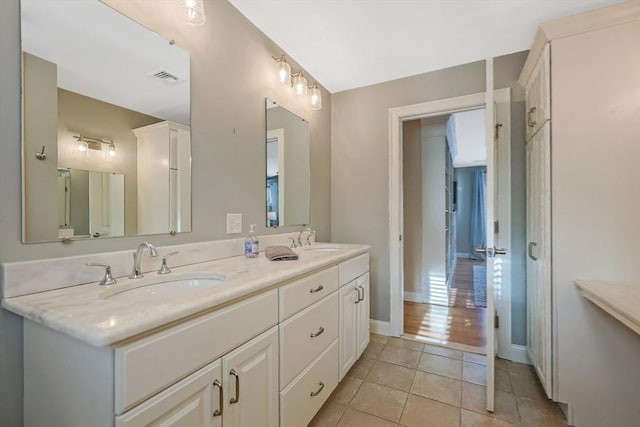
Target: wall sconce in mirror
[84, 143]
[193, 12]
[298, 81]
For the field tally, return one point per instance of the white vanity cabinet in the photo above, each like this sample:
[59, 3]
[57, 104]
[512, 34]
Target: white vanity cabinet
[354, 311]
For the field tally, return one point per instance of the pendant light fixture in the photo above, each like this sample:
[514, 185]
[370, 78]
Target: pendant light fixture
[193, 12]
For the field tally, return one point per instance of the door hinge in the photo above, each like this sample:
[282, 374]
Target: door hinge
[400, 237]
[496, 227]
[496, 322]
[497, 131]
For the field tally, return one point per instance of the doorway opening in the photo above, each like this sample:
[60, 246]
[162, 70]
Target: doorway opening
[444, 186]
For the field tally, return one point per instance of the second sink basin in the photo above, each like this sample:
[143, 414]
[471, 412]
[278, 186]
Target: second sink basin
[172, 285]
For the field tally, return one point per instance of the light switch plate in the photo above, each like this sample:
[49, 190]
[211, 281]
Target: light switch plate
[234, 223]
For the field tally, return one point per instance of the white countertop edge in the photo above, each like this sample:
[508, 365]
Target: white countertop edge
[207, 301]
[609, 305]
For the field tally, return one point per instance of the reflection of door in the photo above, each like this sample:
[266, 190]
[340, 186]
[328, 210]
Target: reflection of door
[275, 172]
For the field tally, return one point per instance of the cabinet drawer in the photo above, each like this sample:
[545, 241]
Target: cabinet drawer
[297, 347]
[297, 404]
[353, 268]
[146, 366]
[302, 293]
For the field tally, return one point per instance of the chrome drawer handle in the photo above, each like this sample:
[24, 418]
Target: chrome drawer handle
[357, 295]
[318, 289]
[218, 412]
[531, 122]
[317, 334]
[531, 246]
[317, 392]
[236, 399]
[361, 288]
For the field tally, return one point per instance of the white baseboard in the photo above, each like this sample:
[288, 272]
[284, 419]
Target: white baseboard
[519, 354]
[379, 327]
[413, 297]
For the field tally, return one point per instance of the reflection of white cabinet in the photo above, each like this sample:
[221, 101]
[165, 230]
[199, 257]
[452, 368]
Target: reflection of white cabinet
[164, 178]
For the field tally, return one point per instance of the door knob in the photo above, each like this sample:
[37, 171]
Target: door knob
[491, 252]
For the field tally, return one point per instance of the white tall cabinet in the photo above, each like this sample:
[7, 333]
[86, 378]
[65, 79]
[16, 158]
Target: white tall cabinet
[583, 124]
[164, 178]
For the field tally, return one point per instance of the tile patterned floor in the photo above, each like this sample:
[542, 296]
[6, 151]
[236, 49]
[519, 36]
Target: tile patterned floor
[398, 382]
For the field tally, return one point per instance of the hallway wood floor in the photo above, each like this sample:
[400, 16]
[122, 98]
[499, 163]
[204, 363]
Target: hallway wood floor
[461, 322]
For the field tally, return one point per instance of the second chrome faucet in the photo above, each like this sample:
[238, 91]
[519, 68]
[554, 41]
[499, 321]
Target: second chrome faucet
[136, 273]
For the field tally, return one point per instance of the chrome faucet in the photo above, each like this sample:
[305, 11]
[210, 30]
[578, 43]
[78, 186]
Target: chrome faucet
[137, 258]
[310, 232]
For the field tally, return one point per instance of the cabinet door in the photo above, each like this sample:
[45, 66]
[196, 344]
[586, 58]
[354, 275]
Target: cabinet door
[363, 313]
[251, 383]
[539, 256]
[348, 327]
[193, 402]
[538, 98]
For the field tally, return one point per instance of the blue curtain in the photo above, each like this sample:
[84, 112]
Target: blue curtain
[478, 212]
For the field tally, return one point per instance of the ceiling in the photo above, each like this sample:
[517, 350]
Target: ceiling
[346, 44]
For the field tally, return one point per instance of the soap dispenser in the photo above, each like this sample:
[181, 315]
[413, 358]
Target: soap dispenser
[251, 243]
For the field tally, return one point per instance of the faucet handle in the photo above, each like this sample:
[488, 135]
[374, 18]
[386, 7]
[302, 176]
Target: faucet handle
[293, 243]
[163, 268]
[312, 232]
[108, 278]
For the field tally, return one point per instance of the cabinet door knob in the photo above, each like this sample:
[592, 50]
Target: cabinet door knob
[317, 392]
[318, 289]
[218, 412]
[317, 334]
[235, 399]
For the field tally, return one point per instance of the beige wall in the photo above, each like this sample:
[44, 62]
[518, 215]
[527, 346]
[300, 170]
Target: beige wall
[232, 72]
[412, 204]
[360, 159]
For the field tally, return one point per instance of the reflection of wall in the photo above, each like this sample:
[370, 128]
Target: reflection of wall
[40, 100]
[79, 204]
[464, 177]
[296, 160]
[78, 114]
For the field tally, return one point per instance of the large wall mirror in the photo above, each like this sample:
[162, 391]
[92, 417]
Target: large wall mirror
[288, 171]
[106, 125]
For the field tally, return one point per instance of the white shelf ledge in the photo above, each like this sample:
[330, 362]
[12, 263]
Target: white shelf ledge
[620, 300]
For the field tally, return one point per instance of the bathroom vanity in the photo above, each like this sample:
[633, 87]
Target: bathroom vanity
[229, 342]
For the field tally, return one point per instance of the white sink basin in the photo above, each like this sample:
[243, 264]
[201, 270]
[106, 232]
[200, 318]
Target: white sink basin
[171, 285]
[322, 247]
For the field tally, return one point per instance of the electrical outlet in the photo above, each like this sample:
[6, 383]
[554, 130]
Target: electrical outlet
[234, 223]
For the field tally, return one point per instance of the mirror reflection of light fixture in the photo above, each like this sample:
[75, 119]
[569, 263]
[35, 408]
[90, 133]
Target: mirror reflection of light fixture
[85, 143]
[300, 83]
[284, 71]
[193, 12]
[315, 97]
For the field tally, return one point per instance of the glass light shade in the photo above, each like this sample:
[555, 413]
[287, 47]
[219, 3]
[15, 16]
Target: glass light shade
[193, 12]
[82, 146]
[284, 72]
[300, 84]
[112, 150]
[315, 97]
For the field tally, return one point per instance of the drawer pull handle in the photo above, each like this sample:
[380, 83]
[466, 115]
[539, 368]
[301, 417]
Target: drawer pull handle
[318, 289]
[360, 298]
[236, 399]
[530, 122]
[317, 392]
[357, 295]
[218, 412]
[317, 334]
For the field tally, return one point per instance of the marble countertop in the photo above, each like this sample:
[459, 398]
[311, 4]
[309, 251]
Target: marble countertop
[620, 300]
[84, 313]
